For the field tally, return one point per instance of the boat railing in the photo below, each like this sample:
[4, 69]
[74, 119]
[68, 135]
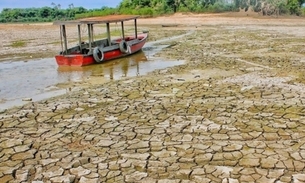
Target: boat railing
[85, 48]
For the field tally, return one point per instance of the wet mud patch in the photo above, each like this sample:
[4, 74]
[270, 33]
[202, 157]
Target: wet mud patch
[70, 79]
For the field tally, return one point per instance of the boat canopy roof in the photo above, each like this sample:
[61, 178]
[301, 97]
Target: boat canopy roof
[99, 20]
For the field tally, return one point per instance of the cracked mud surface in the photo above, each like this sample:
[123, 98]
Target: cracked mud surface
[232, 113]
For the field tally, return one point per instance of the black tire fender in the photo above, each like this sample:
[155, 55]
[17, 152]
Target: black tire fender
[98, 54]
[124, 47]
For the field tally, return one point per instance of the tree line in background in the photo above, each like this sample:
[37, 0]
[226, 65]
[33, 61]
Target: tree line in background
[44, 14]
[265, 7]
[153, 8]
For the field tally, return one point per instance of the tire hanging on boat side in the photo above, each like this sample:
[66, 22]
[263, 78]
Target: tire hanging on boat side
[98, 54]
[124, 47]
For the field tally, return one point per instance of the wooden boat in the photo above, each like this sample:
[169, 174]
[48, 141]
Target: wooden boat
[98, 51]
[121, 65]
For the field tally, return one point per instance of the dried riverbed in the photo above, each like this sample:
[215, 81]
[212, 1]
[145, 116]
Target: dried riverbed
[232, 113]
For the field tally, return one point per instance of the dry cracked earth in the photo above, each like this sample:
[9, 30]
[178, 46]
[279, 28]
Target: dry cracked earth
[233, 113]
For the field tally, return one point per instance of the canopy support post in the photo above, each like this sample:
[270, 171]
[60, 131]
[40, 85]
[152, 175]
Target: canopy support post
[89, 38]
[64, 34]
[92, 33]
[61, 41]
[135, 27]
[108, 34]
[79, 37]
[123, 33]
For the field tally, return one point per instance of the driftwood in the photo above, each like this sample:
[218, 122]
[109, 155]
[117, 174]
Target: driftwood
[169, 25]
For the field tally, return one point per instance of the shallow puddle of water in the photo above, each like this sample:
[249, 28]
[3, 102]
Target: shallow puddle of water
[39, 79]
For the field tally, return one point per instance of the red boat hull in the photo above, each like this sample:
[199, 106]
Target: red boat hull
[84, 59]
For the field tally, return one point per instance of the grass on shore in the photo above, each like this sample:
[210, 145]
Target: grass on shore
[19, 43]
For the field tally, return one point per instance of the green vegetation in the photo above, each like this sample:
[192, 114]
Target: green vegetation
[45, 14]
[148, 8]
[16, 44]
[265, 7]
[97, 12]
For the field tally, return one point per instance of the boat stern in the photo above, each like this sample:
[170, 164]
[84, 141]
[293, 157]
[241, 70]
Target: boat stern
[73, 60]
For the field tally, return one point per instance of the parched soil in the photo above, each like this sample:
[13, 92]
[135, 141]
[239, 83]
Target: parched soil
[234, 112]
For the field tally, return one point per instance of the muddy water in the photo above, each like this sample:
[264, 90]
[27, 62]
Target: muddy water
[40, 79]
